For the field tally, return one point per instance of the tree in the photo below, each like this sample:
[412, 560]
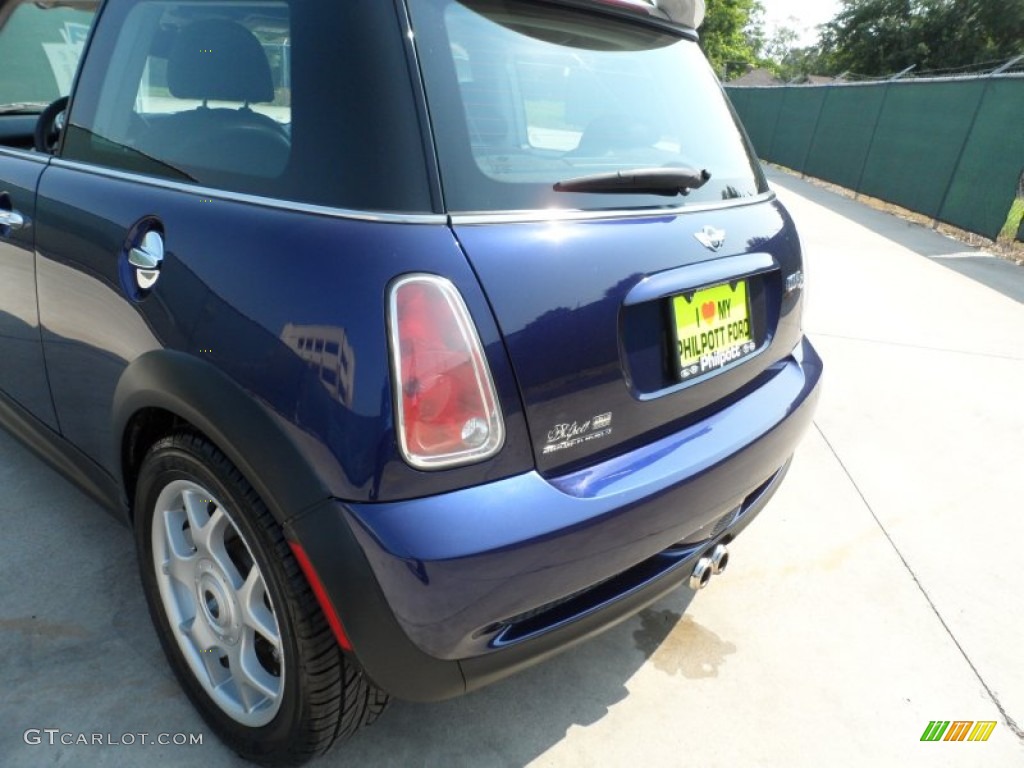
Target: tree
[732, 35]
[873, 37]
[802, 61]
[966, 32]
[788, 60]
[879, 37]
[781, 43]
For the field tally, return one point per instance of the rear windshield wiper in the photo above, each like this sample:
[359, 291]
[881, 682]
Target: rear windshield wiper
[652, 181]
[22, 108]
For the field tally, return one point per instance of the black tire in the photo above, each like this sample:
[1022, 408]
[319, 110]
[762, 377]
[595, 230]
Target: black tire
[322, 695]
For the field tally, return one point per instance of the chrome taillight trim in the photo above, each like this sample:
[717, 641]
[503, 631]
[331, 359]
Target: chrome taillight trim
[482, 372]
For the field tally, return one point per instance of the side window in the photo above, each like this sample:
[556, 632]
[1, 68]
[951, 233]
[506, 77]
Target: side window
[39, 49]
[195, 92]
[311, 102]
[40, 45]
[155, 97]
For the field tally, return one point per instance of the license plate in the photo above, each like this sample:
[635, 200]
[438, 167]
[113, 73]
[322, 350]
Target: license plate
[712, 328]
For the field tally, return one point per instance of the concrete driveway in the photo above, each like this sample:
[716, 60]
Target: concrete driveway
[881, 590]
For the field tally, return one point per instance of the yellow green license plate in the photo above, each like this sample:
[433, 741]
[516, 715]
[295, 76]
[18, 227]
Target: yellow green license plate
[712, 328]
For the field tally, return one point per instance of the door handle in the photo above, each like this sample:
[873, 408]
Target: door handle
[147, 258]
[11, 219]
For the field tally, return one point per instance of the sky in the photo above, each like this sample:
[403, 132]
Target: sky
[807, 14]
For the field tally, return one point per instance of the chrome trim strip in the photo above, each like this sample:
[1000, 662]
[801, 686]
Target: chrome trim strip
[702, 273]
[465, 219]
[25, 154]
[559, 214]
[265, 202]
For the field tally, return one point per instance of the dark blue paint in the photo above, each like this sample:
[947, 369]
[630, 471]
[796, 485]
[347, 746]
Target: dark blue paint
[22, 375]
[558, 290]
[456, 553]
[573, 318]
[453, 564]
[235, 277]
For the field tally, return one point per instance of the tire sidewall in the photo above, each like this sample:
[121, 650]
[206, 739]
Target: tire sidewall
[166, 463]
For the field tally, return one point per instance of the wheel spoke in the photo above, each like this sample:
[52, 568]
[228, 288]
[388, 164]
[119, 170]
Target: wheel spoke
[199, 633]
[255, 613]
[245, 694]
[253, 673]
[252, 685]
[180, 560]
[196, 509]
[217, 602]
[174, 531]
[209, 541]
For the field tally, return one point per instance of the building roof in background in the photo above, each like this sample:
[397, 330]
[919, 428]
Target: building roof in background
[757, 77]
[820, 79]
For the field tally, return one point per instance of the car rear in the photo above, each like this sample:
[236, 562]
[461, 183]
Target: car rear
[647, 287]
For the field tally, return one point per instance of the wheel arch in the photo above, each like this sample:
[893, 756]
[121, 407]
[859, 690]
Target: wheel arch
[164, 390]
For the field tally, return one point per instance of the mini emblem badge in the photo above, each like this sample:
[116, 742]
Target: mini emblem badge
[711, 238]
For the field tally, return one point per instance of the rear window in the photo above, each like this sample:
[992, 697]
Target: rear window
[523, 95]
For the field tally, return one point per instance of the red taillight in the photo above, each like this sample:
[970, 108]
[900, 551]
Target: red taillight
[447, 410]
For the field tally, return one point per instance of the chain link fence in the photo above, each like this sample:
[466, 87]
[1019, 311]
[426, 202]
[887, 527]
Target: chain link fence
[951, 148]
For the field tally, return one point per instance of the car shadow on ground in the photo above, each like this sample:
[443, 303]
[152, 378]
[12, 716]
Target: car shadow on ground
[78, 653]
[997, 273]
[519, 719]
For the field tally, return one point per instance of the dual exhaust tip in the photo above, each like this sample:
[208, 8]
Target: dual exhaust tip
[710, 564]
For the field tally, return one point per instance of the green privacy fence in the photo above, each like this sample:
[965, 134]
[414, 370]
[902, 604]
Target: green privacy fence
[950, 149]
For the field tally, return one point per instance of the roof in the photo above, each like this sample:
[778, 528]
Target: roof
[757, 76]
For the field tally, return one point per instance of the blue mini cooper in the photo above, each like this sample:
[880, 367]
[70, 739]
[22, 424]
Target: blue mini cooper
[416, 340]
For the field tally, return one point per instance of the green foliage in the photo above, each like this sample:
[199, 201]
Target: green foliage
[780, 44]
[732, 35]
[800, 62]
[788, 61]
[1014, 221]
[879, 37]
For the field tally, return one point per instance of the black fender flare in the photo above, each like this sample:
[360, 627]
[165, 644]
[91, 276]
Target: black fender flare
[236, 422]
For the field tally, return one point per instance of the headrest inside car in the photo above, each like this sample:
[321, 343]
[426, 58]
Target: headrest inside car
[219, 60]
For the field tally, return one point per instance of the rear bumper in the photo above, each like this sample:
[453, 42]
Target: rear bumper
[445, 594]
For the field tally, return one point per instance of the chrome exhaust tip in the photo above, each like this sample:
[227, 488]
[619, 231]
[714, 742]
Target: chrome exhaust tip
[719, 559]
[701, 574]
